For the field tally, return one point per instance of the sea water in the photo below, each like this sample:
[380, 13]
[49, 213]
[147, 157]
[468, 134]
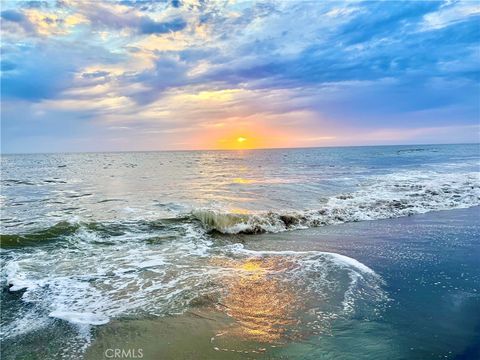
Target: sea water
[93, 238]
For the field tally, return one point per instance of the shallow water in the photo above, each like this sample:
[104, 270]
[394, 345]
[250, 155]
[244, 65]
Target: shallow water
[429, 264]
[95, 241]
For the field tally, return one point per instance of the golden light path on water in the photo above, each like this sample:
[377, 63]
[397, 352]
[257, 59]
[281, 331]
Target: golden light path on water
[261, 303]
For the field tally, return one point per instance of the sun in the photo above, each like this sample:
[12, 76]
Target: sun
[234, 141]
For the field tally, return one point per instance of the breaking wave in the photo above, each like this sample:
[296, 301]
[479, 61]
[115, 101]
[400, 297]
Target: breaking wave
[389, 196]
[132, 277]
[150, 285]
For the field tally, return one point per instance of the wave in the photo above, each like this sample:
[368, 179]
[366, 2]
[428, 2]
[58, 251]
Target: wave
[36, 237]
[94, 298]
[383, 197]
[102, 231]
[390, 196]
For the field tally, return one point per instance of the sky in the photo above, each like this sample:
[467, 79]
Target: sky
[185, 74]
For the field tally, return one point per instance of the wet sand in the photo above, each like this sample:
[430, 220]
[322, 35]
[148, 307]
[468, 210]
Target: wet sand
[429, 264]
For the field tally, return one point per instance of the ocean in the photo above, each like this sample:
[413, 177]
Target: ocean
[351, 252]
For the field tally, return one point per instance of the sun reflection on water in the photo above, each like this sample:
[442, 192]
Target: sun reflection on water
[243, 181]
[261, 303]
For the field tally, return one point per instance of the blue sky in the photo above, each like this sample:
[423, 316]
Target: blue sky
[150, 75]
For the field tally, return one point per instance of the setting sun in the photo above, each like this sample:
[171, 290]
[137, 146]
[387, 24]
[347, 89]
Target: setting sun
[247, 135]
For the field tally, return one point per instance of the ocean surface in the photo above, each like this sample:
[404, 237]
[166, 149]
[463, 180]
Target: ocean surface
[94, 241]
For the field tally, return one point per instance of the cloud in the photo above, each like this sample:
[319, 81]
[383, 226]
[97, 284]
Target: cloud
[183, 67]
[12, 15]
[45, 70]
[449, 14]
[105, 15]
[7, 66]
[95, 74]
[35, 4]
[148, 26]
[17, 18]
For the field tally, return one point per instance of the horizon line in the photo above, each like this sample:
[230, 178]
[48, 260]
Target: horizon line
[235, 150]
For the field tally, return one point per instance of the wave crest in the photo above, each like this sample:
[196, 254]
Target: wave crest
[386, 197]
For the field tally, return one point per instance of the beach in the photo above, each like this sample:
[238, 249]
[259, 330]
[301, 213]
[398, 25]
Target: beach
[430, 266]
[346, 253]
[223, 179]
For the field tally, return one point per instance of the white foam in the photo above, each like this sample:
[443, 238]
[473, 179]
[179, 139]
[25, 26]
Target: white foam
[381, 197]
[83, 318]
[132, 278]
[350, 262]
[339, 259]
[151, 263]
[17, 281]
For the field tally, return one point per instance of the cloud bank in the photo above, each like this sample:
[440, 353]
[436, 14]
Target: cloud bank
[148, 75]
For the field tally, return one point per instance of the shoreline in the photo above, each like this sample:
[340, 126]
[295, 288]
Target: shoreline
[409, 238]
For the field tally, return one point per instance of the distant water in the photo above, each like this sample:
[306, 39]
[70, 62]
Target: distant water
[87, 238]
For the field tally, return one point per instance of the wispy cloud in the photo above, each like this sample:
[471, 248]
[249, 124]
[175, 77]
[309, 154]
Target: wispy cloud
[172, 71]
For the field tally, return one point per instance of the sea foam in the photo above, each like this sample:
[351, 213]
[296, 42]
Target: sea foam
[381, 197]
[83, 318]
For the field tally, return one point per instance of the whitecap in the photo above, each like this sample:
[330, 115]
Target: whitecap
[82, 318]
[381, 197]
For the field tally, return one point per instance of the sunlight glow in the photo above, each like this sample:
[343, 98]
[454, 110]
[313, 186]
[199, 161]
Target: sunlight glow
[262, 306]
